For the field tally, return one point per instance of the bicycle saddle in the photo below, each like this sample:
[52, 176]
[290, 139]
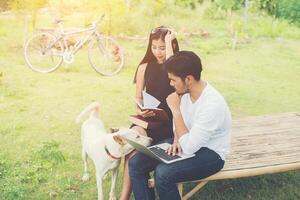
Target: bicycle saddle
[57, 20]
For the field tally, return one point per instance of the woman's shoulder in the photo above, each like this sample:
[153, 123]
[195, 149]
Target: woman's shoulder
[143, 66]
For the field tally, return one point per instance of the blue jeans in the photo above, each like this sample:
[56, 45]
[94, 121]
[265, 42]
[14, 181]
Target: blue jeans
[205, 163]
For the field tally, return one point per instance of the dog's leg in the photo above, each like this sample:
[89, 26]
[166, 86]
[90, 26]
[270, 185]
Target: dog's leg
[85, 176]
[99, 175]
[114, 175]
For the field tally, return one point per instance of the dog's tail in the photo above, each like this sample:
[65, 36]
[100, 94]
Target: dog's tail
[92, 109]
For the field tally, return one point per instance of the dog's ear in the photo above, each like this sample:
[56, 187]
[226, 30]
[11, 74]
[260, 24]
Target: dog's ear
[119, 140]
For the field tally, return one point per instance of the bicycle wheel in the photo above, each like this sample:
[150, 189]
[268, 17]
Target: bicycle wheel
[43, 52]
[106, 56]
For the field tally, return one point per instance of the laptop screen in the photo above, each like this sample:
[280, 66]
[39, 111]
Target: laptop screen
[141, 148]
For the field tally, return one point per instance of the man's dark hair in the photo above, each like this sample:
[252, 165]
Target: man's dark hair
[184, 63]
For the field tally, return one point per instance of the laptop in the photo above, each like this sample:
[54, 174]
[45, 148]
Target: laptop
[158, 152]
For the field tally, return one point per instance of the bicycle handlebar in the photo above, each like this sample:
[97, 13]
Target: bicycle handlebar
[99, 20]
[57, 20]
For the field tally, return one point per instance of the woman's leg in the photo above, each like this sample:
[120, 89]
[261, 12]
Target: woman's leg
[139, 166]
[126, 189]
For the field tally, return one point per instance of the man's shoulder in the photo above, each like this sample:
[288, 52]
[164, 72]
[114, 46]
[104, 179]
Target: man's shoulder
[213, 101]
[213, 95]
[211, 89]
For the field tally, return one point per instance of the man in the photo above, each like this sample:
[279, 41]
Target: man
[202, 122]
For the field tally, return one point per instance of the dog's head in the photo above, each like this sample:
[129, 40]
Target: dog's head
[132, 135]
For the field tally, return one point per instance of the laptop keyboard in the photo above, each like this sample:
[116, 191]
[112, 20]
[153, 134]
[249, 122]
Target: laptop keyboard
[162, 154]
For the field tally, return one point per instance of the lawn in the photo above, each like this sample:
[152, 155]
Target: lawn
[40, 150]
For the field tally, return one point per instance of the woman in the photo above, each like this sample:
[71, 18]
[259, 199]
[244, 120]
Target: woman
[151, 76]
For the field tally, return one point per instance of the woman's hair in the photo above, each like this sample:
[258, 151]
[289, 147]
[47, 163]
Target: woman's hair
[156, 34]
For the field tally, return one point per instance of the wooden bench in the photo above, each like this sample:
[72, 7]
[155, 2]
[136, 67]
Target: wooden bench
[259, 145]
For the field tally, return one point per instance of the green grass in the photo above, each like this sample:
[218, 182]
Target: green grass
[40, 142]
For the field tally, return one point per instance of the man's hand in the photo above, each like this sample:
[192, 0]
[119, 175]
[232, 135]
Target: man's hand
[173, 101]
[174, 149]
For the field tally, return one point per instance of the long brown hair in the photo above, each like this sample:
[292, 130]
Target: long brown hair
[156, 34]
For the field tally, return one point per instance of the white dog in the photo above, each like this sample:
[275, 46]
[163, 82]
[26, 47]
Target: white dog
[106, 150]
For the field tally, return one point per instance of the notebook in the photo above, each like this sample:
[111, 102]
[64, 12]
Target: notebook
[158, 152]
[150, 103]
[146, 123]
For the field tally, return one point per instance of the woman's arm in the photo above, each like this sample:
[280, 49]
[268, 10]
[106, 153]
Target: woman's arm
[140, 82]
[168, 41]
[140, 85]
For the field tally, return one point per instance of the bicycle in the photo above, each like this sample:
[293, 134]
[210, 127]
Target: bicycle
[44, 52]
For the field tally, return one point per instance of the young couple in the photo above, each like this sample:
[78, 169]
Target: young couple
[200, 120]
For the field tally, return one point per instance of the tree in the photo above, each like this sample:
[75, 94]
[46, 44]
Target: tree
[3, 5]
[246, 3]
[31, 6]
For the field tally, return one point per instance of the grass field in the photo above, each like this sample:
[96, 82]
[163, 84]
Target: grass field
[40, 142]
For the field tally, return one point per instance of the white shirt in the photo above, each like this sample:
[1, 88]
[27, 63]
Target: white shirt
[208, 120]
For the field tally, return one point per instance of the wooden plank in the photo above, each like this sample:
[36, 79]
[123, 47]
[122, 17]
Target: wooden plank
[254, 171]
[232, 174]
[194, 190]
[180, 189]
[261, 145]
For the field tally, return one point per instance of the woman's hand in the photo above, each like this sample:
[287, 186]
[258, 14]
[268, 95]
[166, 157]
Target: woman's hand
[170, 35]
[145, 113]
[168, 41]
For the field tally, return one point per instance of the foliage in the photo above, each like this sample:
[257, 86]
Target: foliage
[19, 179]
[3, 5]
[28, 5]
[50, 153]
[290, 10]
[118, 14]
[188, 3]
[287, 9]
[268, 5]
[31, 5]
[229, 4]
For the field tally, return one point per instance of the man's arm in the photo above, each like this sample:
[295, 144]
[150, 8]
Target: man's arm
[175, 147]
[173, 102]
[205, 123]
[180, 126]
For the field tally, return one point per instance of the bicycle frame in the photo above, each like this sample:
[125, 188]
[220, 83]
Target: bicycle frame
[81, 42]
[63, 34]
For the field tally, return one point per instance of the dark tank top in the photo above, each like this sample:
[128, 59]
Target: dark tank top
[157, 84]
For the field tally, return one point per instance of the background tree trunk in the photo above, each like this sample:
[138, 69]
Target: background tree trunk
[246, 3]
[25, 28]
